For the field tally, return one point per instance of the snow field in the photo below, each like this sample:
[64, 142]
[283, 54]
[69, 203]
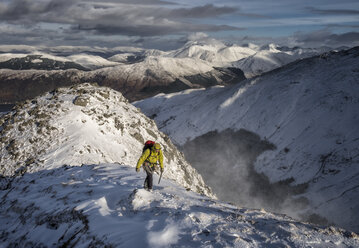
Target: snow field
[105, 204]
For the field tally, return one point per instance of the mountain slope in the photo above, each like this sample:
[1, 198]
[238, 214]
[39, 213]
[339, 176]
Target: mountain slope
[161, 74]
[136, 81]
[99, 206]
[251, 59]
[305, 114]
[270, 58]
[84, 124]
[214, 52]
[39, 62]
[137, 73]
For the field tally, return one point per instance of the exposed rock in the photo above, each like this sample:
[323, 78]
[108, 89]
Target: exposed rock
[81, 101]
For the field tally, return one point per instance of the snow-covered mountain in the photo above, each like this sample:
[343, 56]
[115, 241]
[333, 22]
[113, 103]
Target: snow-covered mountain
[84, 124]
[214, 52]
[154, 75]
[251, 59]
[68, 180]
[43, 61]
[286, 140]
[103, 205]
[136, 80]
[91, 61]
[38, 62]
[137, 73]
[271, 57]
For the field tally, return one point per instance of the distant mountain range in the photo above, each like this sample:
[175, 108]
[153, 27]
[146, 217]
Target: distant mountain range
[26, 72]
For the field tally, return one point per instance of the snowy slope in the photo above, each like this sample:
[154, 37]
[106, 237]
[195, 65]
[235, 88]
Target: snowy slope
[122, 57]
[214, 52]
[271, 57]
[99, 206]
[138, 73]
[7, 56]
[166, 69]
[84, 124]
[252, 59]
[39, 62]
[308, 110]
[86, 60]
[157, 74]
[139, 78]
[91, 61]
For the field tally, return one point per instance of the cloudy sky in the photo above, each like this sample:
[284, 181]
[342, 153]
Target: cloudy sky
[168, 24]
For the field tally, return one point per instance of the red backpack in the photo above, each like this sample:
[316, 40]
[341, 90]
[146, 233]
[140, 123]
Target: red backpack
[148, 145]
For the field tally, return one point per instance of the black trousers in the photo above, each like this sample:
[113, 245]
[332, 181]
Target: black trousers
[149, 179]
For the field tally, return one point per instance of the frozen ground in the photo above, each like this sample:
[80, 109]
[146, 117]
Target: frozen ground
[99, 205]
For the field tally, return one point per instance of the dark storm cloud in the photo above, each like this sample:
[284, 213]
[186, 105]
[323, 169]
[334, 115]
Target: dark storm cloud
[347, 37]
[142, 2]
[326, 38]
[152, 30]
[205, 11]
[343, 25]
[334, 11]
[114, 17]
[29, 11]
[315, 39]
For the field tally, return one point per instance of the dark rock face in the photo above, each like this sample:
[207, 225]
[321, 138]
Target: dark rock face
[22, 85]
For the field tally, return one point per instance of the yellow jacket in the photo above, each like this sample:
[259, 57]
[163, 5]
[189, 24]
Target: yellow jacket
[151, 156]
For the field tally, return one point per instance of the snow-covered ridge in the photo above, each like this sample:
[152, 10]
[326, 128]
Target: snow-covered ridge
[104, 206]
[163, 68]
[138, 73]
[251, 59]
[84, 124]
[7, 56]
[218, 53]
[308, 109]
[91, 61]
[86, 60]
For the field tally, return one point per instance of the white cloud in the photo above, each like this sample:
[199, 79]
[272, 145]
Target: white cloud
[197, 36]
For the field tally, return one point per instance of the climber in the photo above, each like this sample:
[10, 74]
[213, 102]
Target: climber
[151, 154]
